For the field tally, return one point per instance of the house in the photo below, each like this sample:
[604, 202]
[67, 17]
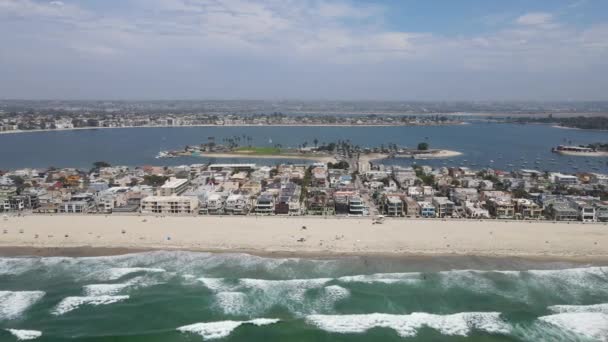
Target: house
[264, 204]
[320, 204]
[393, 205]
[501, 208]
[561, 210]
[586, 210]
[78, 204]
[462, 195]
[236, 204]
[427, 209]
[527, 209]
[601, 212]
[214, 204]
[355, 206]
[281, 206]
[341, 204]
[411, 207]
[6, 193]
[443, 207]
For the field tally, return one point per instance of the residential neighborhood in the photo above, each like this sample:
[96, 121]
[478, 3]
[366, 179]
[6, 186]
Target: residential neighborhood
[317, 189]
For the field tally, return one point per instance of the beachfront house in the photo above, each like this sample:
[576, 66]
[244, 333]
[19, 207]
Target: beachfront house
[586, 210]
[81, 203]
[443, 207]
[264, 204]
[393, 205]
[411, 207]
[427, 209]
[561, 210]
[355, 206]
[214, 204]
[501, 208]
[527, 209]
[236, 204]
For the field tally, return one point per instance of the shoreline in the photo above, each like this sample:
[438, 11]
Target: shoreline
[329, 237]
[238, 125]
[92, 252]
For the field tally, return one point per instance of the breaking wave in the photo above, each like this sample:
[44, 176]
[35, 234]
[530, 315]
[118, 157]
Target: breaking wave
[14, 303]
[408, 325]
[215, 330]
[602, 308]
[72, 303]
[25, 335]
[592, 325]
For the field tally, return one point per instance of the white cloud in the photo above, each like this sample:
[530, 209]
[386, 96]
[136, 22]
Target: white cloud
[297, 34]
[535, 19]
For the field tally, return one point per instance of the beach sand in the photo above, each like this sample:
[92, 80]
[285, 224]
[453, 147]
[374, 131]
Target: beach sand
[322, 237]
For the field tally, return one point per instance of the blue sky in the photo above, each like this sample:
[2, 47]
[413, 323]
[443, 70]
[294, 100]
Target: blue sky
[304, 49]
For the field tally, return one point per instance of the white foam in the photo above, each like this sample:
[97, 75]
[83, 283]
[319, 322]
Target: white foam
[231, 303]
[593, 325]
[407, 325]
[215, 330]
[95, 290]
[603, 308]
[72, 303]
[24, 335]
[216, 284]
[386, 278]
[14, 303]
[264, 284]
[119, 272]
[327, 299]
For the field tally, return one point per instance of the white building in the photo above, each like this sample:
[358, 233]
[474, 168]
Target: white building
[560, 178]
[173, 186]
[236, 204]
[169, 205]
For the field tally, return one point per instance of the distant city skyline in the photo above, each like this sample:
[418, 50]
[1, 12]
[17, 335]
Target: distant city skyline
[386, 50]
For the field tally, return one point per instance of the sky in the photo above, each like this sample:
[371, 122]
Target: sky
[427, 50]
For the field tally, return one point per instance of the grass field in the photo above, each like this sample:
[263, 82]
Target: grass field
[258, 150]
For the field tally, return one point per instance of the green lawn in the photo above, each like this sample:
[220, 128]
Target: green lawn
[258, 150]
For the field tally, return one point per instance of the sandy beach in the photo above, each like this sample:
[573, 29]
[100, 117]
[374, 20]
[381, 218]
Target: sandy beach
[321, 237]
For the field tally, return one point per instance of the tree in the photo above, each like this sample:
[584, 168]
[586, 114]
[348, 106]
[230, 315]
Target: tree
[100, 164]
[154, 180]
[423, 146]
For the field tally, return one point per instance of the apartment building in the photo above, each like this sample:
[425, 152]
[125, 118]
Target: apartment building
[169, 205]
[173, 186]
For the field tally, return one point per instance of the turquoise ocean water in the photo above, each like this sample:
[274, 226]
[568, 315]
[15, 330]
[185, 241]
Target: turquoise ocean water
[187, 296]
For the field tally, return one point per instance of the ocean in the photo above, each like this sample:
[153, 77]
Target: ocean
[188, 296]
[501, 146]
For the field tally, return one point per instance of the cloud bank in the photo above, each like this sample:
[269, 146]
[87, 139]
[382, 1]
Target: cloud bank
[146, 49]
